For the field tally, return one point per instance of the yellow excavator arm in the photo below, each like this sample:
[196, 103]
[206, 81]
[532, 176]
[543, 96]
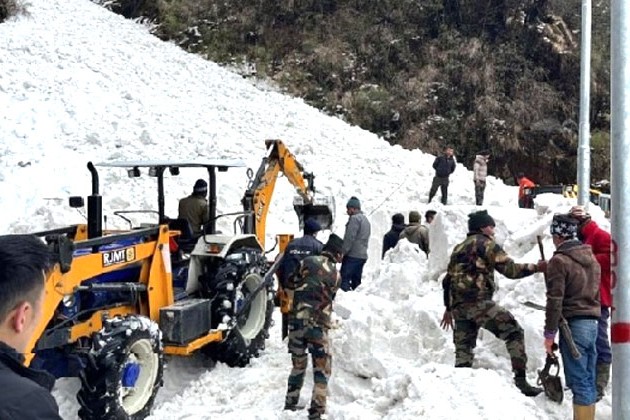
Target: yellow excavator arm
[260, 190]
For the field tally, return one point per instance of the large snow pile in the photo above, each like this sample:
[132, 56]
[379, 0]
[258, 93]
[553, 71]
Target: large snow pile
[78, 84]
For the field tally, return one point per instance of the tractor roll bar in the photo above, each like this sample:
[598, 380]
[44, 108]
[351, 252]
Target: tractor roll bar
[95, 207]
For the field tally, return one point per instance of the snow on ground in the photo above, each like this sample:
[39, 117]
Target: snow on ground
[78, 84]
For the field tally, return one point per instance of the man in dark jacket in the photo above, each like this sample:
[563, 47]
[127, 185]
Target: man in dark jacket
[314, 289]
[194, 208]
[24, 261]
[390, 239]
[525, 200]
[355, 245]
[444, 166]
[298, 249]
[573, 276]
[468, 289]
[599, 240]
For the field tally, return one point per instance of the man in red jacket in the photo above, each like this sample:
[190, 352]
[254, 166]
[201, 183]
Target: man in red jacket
[599, 240]
[524, 200]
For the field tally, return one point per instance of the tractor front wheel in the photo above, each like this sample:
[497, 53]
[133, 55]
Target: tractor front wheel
[124, 370]
[247, 336]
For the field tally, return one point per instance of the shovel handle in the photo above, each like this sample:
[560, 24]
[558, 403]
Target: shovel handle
[540, 247]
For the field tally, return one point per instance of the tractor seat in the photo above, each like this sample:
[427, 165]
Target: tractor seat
[186, 239]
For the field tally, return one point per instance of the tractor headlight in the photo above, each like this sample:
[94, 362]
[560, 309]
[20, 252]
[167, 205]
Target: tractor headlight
[69, 300]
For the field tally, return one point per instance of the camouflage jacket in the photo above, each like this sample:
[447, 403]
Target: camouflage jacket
[315, 289]
[470, 276]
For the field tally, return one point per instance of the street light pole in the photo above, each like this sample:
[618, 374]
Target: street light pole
[620, 200]
[584, 148]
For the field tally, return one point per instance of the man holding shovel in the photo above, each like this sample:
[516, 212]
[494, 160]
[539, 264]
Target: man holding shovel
[572, 281]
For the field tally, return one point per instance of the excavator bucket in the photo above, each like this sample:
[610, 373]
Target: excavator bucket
[321, 208]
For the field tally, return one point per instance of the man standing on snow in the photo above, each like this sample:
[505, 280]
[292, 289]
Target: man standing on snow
[573, 293]
[194, 208]
[355, 245]
[417, 233]
[444, 166]
[390, 239]
[309, 322]
[295, 252]
[599, 240]
[24, 261]
[468, 289]
[480, 172]
[525, 201]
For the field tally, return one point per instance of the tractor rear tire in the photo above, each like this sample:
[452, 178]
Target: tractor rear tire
[247, 338]
[123, 371]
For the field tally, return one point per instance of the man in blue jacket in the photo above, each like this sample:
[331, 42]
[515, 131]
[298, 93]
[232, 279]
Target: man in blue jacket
[24, 261]
[444, 166]
[298, 249]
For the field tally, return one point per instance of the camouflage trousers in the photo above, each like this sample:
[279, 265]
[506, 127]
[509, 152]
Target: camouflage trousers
[315, 339]
[486, 314]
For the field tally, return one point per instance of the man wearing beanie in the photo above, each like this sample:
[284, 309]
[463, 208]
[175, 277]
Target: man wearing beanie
[468, 289]
[573, 276]
[599, 240]
[194, 208]
[355, 245]
[314, 289]
[390, 239]
[417, 233]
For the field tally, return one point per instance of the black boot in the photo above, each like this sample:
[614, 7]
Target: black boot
[294, 407]
[291, 404]
[523, 386]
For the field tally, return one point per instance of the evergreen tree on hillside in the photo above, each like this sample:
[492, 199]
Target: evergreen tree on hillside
[487, 74]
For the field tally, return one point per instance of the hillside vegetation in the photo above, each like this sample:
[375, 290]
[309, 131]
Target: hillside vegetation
[10, 8]
[484, 74]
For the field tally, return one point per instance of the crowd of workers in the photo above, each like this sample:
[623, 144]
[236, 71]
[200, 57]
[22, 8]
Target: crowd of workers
[577, 280]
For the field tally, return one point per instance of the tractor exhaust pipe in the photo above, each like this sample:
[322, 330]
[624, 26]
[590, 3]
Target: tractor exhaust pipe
[94, 207]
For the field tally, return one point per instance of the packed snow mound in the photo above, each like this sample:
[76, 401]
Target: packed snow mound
[80, 84]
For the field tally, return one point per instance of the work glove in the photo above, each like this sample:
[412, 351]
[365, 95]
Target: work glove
[447, 320]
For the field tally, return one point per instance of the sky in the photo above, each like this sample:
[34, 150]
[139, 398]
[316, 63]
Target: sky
[80, 84]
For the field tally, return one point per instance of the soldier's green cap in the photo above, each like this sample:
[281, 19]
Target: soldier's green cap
[334, 244]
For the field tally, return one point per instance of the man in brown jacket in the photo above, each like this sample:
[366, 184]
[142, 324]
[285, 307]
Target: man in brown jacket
[572, 280]
[417, 233]
[194, 208]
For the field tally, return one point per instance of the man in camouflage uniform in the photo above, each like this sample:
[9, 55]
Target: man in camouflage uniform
[309, 320]
[468, 289]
